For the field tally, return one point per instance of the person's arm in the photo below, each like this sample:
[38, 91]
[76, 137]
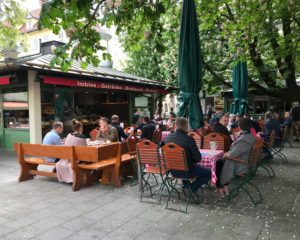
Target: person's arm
[57, 140]
[123, 135]
[267, 130]
[195, 153]
[144, 132]
[240, 147]
[113, 135]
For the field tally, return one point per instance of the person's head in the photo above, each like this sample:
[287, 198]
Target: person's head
[277, 115]
[103, 123]
[146, 119]
[140, 120]
[296, 104]
[58, 127]
[181, 124]
[238, 117]
[245, 125]
[115, 119]
[77, 126]
[286, 114]
[224, 119]
[136, 110]
[209, 107]
[268, 115]
[171, 116]
[247, 116]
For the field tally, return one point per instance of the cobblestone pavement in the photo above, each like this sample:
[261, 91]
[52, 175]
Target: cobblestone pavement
[44, 209]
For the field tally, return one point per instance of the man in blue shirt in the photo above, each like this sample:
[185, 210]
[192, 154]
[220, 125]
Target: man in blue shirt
[53, 138]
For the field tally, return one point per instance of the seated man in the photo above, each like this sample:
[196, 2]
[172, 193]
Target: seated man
[148, 129]
[241, 149]
[107, 133]
[236, 122]
[270, 125]
[287, 121]
[254, 124]
[115, 123]
[221, 126]
[193, 155]
[53, 138]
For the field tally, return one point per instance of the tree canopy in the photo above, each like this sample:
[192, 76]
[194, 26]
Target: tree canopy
[264, 33]
[12, 17]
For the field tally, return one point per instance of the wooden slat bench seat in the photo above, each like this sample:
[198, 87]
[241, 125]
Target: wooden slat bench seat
[106, 158]
[84, 160]
[40, 161]
[30, 156]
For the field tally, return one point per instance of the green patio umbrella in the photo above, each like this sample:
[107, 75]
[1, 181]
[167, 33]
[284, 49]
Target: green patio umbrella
[189, 66]
[240, 88]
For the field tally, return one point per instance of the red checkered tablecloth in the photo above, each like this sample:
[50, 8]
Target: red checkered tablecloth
[164, 134]
[209, 159]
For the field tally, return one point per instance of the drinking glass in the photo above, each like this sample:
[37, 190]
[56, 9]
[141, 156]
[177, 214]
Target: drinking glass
[213, 145]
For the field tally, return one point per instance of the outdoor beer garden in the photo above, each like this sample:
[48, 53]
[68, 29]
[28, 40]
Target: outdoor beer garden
[87, 153]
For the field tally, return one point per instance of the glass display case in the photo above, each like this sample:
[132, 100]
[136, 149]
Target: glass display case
[16, 119]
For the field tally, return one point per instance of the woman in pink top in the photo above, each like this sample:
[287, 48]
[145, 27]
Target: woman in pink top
[63, 167]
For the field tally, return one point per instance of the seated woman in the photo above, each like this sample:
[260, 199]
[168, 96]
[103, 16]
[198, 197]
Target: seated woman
[240, 149]
[107, 132]
[63, 167]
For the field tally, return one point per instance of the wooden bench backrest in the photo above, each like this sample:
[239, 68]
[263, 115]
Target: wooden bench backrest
[174, 157]
[216, 138]
[51, 151]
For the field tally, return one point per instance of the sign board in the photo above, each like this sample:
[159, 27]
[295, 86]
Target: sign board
[4, 80]
[100, 85]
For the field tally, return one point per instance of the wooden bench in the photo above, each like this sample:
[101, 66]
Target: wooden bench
[32, 155]
[107, 158]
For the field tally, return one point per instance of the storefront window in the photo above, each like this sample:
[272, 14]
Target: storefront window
[15, 108]
[144, 104]
[16, 118]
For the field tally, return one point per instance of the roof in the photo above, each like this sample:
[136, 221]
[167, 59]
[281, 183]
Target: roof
[35, 13]
[42, 63]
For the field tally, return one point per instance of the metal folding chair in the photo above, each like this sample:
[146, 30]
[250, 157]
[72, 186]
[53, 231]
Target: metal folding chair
[150, 164]
[175, 159]
[245, 181]
[197, 138]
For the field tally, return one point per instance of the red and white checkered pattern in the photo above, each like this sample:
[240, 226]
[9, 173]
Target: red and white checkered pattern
[209, 159]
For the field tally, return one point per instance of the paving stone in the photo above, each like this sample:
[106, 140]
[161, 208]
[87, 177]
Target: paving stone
[23, 233]
[78, 223]
[88, 233]
[45, 209]
[57, 233]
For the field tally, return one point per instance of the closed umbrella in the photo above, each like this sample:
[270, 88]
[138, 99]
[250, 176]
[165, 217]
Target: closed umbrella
[189, 66]
[240, 88]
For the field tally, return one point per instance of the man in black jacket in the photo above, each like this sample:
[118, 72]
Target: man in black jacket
[193, 155]
[115, 123]
[148, 129]
[221, 126]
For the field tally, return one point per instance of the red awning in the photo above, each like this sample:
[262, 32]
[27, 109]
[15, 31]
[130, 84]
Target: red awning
[4, 80]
